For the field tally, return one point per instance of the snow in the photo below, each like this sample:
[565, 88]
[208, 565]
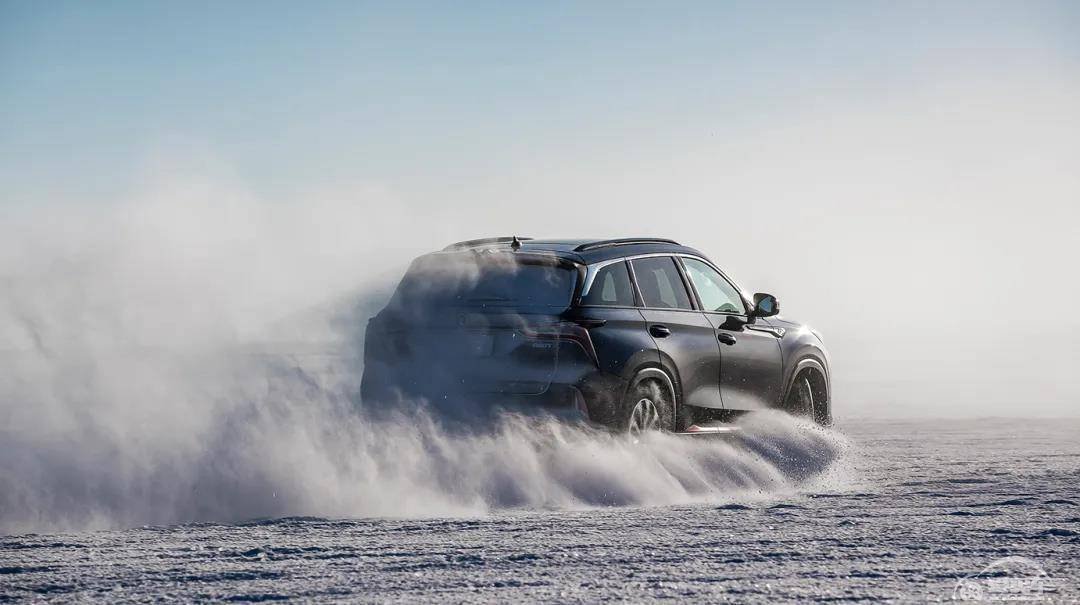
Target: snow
[872, 509]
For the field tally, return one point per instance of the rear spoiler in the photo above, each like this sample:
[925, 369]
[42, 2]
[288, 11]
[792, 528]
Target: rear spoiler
[486, 241]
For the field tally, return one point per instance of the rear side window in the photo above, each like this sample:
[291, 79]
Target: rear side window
[611, 287]
[660, 283]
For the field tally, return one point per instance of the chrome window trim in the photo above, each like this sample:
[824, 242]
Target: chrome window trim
[590, 270]
[590, 275]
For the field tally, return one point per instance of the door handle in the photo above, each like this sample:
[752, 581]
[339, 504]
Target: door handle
[726, 338]
[659, 331]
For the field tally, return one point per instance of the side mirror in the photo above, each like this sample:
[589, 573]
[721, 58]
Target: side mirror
[765, 305]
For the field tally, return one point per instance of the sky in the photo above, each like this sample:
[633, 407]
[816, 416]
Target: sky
[402, 92]
[903, 176]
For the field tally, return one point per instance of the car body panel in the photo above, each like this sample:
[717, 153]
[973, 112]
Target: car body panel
[689, 354]
[800, 343]
[751, 368]
[624, 348]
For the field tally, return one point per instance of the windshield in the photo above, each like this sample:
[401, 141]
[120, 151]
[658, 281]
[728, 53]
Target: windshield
[486, 279]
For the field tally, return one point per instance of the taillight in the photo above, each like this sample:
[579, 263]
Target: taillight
[565, 331]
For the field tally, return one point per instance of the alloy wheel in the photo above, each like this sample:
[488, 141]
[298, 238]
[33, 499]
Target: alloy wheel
[644, 418]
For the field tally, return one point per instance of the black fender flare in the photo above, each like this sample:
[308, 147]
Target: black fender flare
[655, 373]
[668, 366]
[802, 364]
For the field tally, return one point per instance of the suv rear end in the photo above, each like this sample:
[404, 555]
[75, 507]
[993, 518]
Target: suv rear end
[482, 325]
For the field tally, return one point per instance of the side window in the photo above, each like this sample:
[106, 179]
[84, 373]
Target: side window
[717, 294]
[611, 287]
[660, 283]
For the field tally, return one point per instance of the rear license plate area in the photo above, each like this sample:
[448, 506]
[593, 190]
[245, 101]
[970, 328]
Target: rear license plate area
[479, 344]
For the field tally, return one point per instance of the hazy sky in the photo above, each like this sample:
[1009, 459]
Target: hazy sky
[904, 176]
[414, 93]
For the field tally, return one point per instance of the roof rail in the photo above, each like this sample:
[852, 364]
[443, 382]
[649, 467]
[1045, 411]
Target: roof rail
[486, 241]
[626, 241]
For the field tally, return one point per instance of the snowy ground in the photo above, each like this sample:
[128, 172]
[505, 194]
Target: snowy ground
[919, 505]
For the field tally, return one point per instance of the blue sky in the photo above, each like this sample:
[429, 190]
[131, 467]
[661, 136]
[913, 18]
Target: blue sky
[294, 94]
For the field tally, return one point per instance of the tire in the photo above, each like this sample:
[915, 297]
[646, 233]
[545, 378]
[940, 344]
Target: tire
[801, 398]
[803, 403]
[648, 407]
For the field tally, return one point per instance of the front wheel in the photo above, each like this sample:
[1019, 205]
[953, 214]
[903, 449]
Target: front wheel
[804, 401]
[801, 399]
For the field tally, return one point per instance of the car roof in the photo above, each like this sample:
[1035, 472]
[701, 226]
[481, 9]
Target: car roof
[586, 251]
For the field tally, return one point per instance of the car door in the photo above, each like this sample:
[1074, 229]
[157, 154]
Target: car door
[685, 339]
[751, 365]
[609, 309]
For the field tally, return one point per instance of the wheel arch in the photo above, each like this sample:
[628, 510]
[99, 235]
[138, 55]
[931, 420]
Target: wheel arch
[678, 419]
[819, 381]
[667, 365]
[655, 373]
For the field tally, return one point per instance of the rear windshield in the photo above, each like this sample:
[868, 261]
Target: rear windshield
[486, 279]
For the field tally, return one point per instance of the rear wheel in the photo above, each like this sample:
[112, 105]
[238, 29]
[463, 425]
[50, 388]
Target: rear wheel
[644, 417]
[648, 408]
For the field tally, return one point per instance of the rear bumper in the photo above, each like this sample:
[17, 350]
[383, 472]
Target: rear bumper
[582, 392]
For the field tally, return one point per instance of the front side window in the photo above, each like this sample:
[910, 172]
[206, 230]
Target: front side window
[660, 284]
[611, 287]
[717, 294]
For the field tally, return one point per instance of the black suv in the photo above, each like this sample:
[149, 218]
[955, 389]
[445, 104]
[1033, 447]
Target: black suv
[636, 334]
